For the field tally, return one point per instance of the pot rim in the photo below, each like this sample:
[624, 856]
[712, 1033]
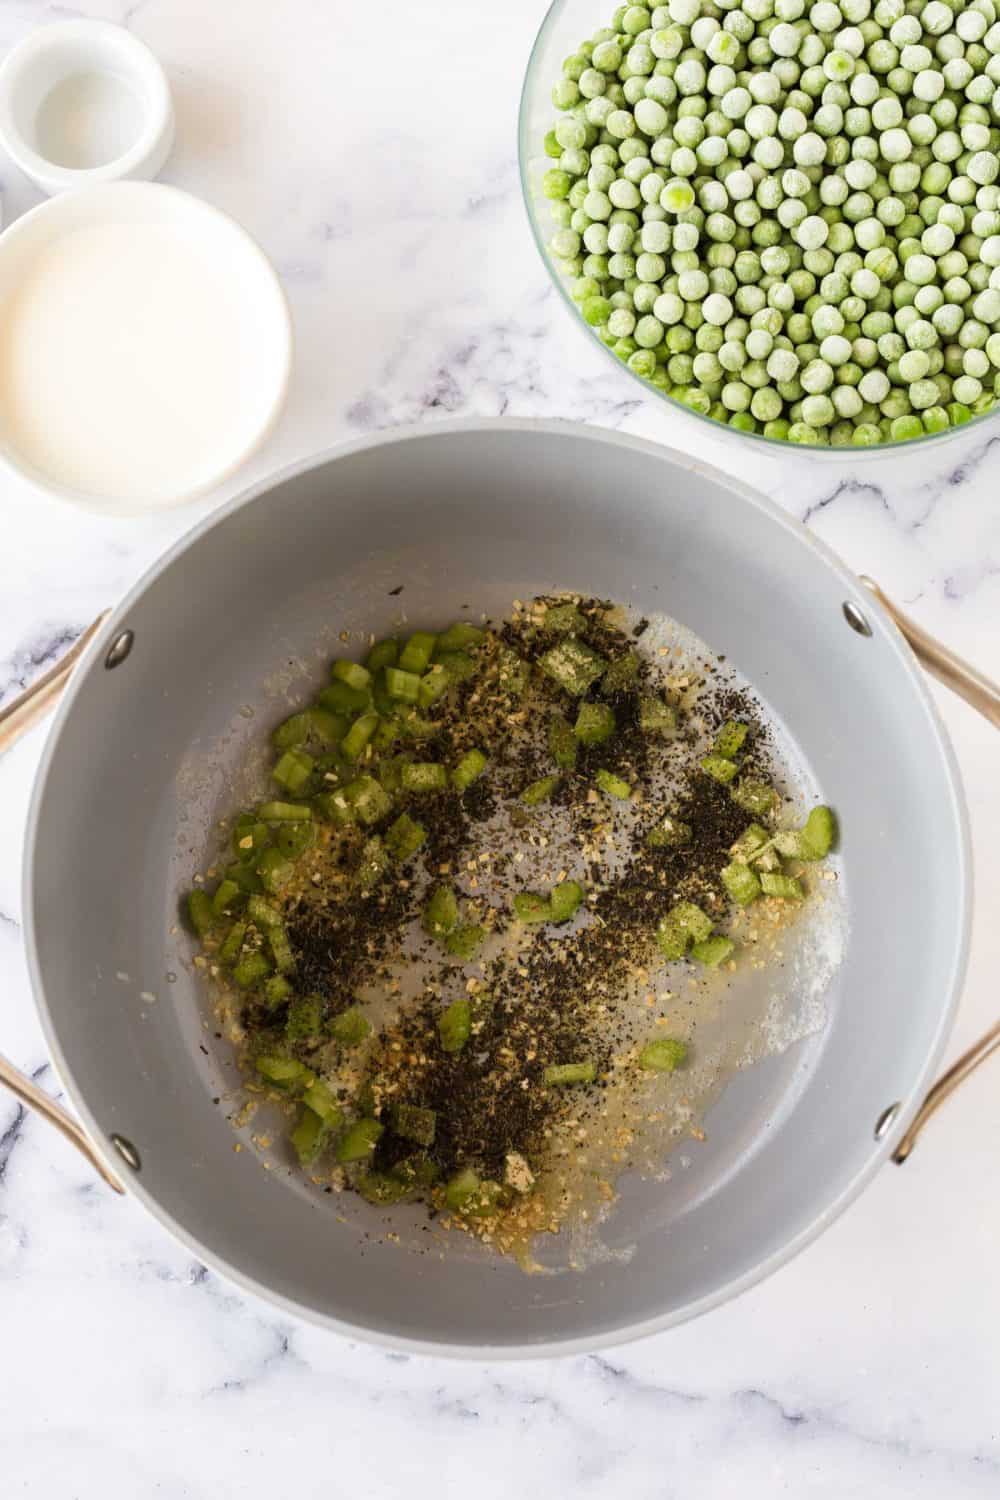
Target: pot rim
[882, 1148]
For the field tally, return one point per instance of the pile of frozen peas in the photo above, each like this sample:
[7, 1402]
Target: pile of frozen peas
[788, 216]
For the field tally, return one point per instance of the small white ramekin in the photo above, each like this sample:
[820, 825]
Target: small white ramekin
[92, 53]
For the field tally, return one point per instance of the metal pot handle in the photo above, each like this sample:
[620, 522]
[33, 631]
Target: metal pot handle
[984, 696]
[19, 715]
[16, 718]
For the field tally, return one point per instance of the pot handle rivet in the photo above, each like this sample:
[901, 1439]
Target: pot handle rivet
[884, 1122]
[119, 650]
[127, 1152]
[855, 618]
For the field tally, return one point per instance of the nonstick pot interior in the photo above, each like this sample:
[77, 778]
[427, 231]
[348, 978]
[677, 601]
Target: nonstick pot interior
[235, 626]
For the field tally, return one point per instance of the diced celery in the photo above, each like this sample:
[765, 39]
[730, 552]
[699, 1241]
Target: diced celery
[755, 797]
[730, 738]
[441, 912]
[305, 1018]
[232, 944]
[355, 676]
[465, 941]
[573, 666]
[820, 831]
[433, 686]
[383, 654]
[457, 637]
[355, 741]
[359, 1141]
[565, 900]
[719, 768]
[404, 837]
[461, 1189]
[341, 699]
[424, 776]
[373, 864]
[472, 765]
[276, 991]
[564, 619]
[713, 951]
[319, 1097]
[402, 687]
[294, 770]
[669, 833]
[656, 716]
[530, 907]
[310, 1135]
[250, 969]
[539, 791]
[284, 1073]
[369, 800]
[414, 1123]
[784, 887]
[284, 812]
[595, 723]
[201, 911]
[741, 883]
[455, 1025]
[417, 652]
[613, 786]
[275, 870]
[622, 674]
[560, 1074]
[664, 1055]
[350, 1027]
[563, 742]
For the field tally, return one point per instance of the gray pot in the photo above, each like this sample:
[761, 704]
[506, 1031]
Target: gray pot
[146, 746]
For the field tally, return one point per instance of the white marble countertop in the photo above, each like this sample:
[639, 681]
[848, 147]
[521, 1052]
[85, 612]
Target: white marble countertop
[371, 149]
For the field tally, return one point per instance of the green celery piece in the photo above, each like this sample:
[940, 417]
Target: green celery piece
[595, 723]
[719, 768]
[350, 1028]
[669, 833]
[713, 951]
[455, 1025]
[416, 1171]
[382, 1189]
[384, 704]
[613, 786]
[563, 743]
[461, 1189]
[341, 699]
[664, 1055]
[414, 1123]
[309, 1136]
[565, 900]
[752, 840]
[281, 949]
[284, 812]
[245, 876]
[424, 776]
[465, 941]
[530, 907]
[293, 731]
[560, 1074]
[484, 1201]
[284, 1073]
[684, 923]
[355, 741]
[433, 685]
[441, 912]
[656, 716]
[457, 637]
[336, 807]
[276, 991]
[359, 1141]
[471, 766]
[382, 654]
[414, 726]
[539, 791]
[458, 665]
[251, 969]
[741, 883]
[305, 1018]
[564, 619]
[730, 738]
[513, 672]
[201, 911]
[402, 687]
[354, 675]
[294, 770]
[390, 771]
[754, 797]
[249, 836]
[417, 652]
[622, 674]
[784, 887]
[369, 800]
[274, 870]
[319, 1097]
[385, 735]
[294, 839]
[573, 666]
[232, 944]
[820, 831]
[373, 864]
[404, 837]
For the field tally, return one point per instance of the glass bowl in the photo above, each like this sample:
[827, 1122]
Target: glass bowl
[565, 26]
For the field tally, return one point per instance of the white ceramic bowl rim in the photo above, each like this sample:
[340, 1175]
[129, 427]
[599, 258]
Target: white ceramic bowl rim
[108, 48]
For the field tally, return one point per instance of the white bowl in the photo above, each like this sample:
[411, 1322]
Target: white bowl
[84, 102]
[150, 384]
